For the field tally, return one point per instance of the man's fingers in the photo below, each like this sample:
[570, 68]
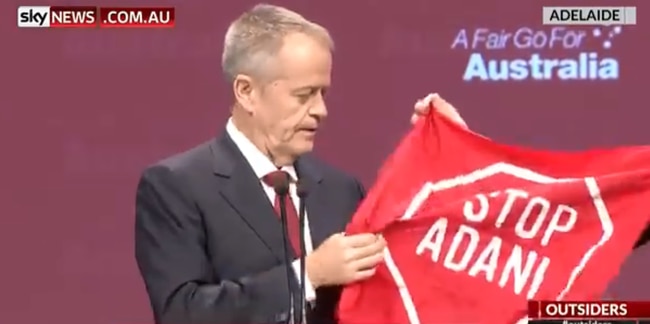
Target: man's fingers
[447, 110]
[369, 250]
[450, 112]
[423, 106]
[360, 240]
[432, 97]
[368, 262]
[415, 118]
[364, 274]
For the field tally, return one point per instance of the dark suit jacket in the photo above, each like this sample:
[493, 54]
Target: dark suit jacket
[210, 247]
[643, 238]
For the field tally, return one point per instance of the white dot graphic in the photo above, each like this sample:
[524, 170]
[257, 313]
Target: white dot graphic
[607, 44]
[596, 32]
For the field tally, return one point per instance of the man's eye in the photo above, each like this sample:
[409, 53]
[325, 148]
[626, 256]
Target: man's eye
[304, 97]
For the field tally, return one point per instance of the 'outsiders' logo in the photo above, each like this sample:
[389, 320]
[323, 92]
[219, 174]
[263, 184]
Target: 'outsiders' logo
[557, 53]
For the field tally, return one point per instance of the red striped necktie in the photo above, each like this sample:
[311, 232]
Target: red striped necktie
[293, 225]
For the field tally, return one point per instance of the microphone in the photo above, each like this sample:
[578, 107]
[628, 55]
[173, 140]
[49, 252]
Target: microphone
[302, 192]
[280, 184]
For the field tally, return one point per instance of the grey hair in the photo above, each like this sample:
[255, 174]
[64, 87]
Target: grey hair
[258, 34]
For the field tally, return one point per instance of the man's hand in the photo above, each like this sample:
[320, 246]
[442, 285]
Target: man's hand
[423, 106]
[344, 259]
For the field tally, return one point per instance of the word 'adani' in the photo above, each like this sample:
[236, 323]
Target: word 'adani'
[522, 268]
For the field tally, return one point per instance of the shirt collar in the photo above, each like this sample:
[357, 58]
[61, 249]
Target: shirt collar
[258, 161]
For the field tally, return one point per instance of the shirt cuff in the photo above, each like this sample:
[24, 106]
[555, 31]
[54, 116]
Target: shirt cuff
[310, 293]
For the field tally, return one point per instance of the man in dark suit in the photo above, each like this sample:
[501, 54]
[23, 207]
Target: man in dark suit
[209, 243]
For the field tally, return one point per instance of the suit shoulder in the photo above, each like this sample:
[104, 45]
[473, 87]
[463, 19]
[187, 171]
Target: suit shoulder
[332, 173]
[193, 160]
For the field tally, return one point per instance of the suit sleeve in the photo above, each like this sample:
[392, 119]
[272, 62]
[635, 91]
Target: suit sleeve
[328, 297]
[180, 279]
[361, 190]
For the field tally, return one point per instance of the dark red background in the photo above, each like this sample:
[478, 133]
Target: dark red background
[83, 111]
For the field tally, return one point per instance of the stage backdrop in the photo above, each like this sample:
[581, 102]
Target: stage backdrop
[82, 112]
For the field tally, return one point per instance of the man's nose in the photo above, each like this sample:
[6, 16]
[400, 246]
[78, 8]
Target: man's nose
[319, 110]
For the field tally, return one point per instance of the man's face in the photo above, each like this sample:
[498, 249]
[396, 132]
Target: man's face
[289, 110]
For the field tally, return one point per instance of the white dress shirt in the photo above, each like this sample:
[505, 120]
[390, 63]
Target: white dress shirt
[262, 166]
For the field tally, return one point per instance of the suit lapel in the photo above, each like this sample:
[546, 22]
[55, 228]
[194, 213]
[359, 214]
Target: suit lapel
[241, 188]
[320, 222]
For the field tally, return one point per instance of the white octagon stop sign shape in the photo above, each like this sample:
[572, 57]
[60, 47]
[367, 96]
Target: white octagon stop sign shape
[519, 173]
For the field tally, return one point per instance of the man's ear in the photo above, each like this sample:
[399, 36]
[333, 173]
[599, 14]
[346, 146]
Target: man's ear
[244, 89]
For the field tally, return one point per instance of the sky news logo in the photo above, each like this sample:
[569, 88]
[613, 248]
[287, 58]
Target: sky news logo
[92, 17]
[33, 17]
